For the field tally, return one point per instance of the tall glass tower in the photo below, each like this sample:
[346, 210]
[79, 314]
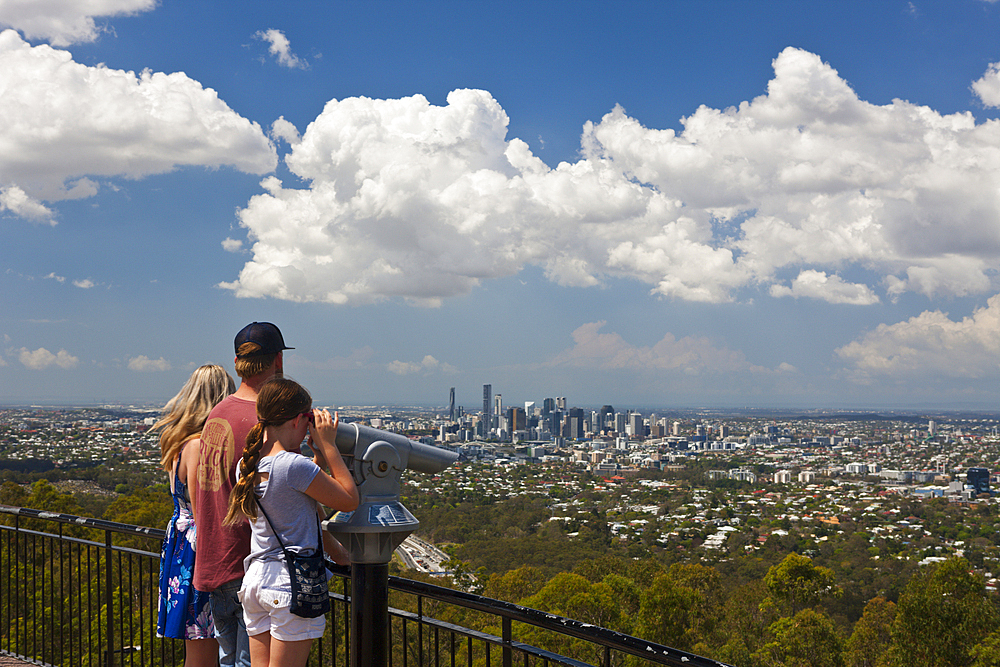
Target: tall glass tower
[487, 408]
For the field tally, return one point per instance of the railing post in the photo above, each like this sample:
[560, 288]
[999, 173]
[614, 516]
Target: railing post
[109, 654]
[420, 631]
[369, 615]
[508, 652]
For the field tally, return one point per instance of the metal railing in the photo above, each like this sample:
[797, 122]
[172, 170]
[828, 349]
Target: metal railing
[76, 591]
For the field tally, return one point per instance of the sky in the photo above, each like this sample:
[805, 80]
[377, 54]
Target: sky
[668, 204]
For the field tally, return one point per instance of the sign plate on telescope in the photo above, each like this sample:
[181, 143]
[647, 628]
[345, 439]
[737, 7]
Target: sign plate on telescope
[388, 515]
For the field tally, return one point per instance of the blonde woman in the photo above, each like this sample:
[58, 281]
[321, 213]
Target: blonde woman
[184, 613]
[289, 487]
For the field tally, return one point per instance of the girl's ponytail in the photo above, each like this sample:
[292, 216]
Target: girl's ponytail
[242, 501]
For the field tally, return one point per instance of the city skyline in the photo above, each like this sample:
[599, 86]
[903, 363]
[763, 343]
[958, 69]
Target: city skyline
[741, 204]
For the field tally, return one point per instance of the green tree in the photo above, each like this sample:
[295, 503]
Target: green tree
[746, 619]
[987, 652]
[514, 585]
[871, 634]
[798, 583]
[942, 614]
[670, 613]
[808, 639]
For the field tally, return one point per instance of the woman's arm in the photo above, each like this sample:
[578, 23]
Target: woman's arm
[336, 490]
[187, 471]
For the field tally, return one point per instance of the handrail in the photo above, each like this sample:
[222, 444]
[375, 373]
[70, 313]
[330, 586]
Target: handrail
[608, 639]
[86, 522]
[616, 640]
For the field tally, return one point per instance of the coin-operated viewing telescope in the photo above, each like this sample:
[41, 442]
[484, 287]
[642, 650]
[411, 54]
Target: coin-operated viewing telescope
[380, 524]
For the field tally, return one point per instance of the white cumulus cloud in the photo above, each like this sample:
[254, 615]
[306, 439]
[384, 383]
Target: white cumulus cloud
[65, 22]
[988, 87]
[41, 359]
[85, 283]
[144, 364]
[17, 201]
[687, 356]
[232, 245]
[930, 344]
[281, 48]
[63, 121]
[427, 364]
[407, 199]
[818, 285]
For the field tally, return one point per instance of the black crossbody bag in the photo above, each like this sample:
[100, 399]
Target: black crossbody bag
[310, 597]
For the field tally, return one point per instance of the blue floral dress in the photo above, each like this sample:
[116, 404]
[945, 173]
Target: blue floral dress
[184, 612]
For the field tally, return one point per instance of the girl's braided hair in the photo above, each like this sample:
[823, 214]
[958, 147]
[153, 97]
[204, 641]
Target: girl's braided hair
[278, 401]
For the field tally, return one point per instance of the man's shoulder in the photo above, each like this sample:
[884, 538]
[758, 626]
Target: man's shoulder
[230, 419]
[231, 406]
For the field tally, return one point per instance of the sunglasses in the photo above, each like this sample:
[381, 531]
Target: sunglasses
[310, 416]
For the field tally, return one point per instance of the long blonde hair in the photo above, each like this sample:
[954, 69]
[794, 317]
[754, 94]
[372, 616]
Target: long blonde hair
[278, 401]
[184, 415]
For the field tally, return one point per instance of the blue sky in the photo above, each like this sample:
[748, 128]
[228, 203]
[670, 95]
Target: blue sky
[640, 203]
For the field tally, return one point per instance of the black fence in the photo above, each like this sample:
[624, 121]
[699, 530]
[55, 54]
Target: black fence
[77, 591]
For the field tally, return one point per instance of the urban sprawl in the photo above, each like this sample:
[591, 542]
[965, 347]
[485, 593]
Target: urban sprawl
[786, 470]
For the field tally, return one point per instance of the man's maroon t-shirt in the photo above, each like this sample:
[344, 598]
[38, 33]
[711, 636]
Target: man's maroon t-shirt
[221, 549]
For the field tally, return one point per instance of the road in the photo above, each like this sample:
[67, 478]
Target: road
[422, 556]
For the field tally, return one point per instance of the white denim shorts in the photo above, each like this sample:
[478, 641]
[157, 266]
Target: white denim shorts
[266, 595]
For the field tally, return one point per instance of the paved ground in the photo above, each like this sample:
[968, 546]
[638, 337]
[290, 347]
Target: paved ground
[7, 661]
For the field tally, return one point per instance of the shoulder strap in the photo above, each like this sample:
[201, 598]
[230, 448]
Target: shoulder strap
[268, 519]
[319, 530]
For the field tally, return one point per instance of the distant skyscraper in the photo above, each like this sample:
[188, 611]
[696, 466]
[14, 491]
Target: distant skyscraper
[636, 427]
[548, 405]
[529, 408]
[498, 405]
[561, 403]
[487, 408]
[517, 420]
[607, 417]
[575, 419]
[931, 429]
[451, 405]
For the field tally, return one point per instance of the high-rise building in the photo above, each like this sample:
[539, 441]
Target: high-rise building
[498, 405]
[978, 479]
[451, 405]
[529, 408]
[548, 406]
[517, 419]
[487, 408]
[636, 427]
[576, 423]
[607, 417]
[561, 403]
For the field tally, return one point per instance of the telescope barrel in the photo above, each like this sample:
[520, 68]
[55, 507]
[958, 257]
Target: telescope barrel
[416, 455]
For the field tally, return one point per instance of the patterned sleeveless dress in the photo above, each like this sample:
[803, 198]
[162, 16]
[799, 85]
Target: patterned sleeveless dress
[184, 613]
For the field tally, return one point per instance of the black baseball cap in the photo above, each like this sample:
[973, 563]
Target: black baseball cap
[265, 334]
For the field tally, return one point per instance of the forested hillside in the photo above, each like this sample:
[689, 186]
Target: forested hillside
[777, 593]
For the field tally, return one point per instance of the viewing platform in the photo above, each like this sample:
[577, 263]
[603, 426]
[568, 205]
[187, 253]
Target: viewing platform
[78, 591]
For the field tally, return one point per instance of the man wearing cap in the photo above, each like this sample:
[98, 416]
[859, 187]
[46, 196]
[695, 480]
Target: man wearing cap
[218, 567]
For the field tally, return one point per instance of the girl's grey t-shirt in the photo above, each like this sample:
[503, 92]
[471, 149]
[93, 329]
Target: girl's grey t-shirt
[292, 512]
